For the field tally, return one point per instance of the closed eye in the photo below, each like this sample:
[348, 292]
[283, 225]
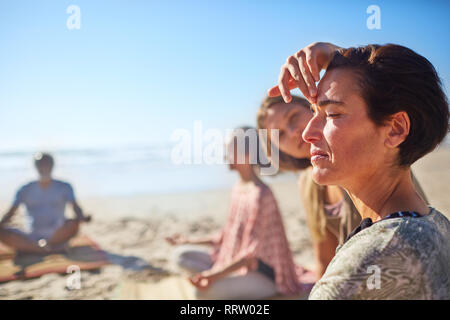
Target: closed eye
[333, 115]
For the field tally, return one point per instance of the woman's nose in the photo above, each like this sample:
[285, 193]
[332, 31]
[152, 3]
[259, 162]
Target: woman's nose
[313, 131]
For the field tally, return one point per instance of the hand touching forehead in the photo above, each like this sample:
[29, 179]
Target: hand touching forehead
[338, 85]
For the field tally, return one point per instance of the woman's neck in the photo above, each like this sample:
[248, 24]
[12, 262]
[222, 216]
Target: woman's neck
[333, 194]
[383, 194]
[249, 177]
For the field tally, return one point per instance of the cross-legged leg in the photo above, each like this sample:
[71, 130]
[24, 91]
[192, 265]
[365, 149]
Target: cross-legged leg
[19, 241]
[67, 231]
[252, 286]
[193, 258]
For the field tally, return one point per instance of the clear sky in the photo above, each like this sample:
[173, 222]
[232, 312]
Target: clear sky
[137, 70]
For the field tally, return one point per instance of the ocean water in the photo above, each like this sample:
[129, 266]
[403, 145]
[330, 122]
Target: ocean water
[110, 171]
[115, 171]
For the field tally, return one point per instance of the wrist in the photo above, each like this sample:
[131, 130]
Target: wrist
[215, 276]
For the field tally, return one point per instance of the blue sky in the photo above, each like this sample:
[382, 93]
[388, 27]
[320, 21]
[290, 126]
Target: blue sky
[137, 70]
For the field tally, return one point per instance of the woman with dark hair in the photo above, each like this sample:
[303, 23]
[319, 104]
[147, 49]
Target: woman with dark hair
[330, 213]
[377, 110]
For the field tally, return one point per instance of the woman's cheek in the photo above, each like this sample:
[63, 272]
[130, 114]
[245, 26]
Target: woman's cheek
[341, 142]
[331, 134]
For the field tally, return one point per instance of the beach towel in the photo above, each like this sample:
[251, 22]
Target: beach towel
[83, 254]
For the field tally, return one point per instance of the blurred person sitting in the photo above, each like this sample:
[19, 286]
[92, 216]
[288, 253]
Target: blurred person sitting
[45, 201]
[250, 256]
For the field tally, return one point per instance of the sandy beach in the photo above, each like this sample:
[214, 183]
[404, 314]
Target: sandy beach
[131, 229]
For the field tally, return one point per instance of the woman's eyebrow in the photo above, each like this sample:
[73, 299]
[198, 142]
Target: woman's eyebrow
[324, 103]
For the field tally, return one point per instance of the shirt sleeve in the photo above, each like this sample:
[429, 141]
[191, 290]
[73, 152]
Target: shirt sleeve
[70, 194]
[19, 198]
[378, 271]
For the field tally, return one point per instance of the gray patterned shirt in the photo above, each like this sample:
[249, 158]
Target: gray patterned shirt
[398, 258]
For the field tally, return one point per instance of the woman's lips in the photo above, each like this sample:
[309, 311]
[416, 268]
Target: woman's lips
[318, 155]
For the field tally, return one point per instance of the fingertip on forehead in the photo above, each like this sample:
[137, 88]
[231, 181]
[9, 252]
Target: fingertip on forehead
[333, 82]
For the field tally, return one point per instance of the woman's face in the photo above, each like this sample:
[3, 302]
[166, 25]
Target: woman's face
[237, 161]
[290, 119]
[347, 148]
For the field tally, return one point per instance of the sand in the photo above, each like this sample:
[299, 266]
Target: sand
[132, 230]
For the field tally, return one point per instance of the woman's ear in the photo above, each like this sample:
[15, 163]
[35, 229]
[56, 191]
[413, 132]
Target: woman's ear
[398, 129]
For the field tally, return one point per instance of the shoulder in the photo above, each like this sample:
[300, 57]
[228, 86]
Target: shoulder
[425, 236]
[428, 238]
[402, 250]
[59, 184]
[263, 194]
[28, 186]
[350, 268]
[389, 237]
[365, 247]
[62, 183]
[439, 221]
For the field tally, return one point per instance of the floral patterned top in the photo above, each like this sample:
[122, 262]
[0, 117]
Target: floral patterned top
[399, 258]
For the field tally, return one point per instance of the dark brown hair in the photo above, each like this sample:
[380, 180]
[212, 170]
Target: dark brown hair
[286, 162]
[43, 157]
[393, 78]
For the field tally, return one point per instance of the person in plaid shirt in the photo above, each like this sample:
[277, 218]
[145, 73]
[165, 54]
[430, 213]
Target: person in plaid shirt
[251, 258]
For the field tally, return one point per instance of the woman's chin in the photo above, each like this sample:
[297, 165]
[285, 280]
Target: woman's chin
[322, 176]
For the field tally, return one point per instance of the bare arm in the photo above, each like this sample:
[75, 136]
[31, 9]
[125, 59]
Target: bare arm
[324, 251]
[208, 240]
[79, 213]
[325, 248]
[235, 265]
[7, 217]
[178, 239]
